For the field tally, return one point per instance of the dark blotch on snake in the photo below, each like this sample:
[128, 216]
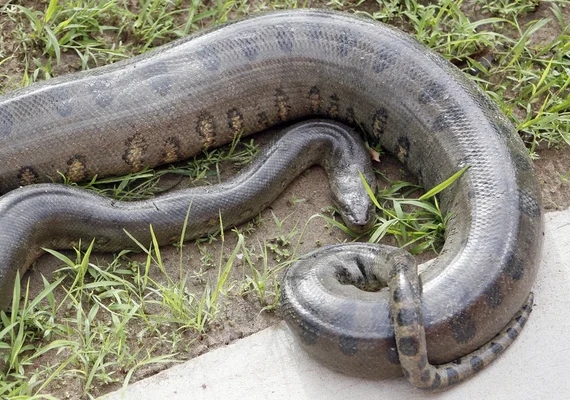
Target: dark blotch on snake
[426, 375]
[436, 381]
[453, 116]
[6, 121]
[249, 46]
[27, 176]
[209, 57]
[262, 120]
[476, 363]
[397, 295]
[433, 92]
[343, 275]
[155, 75]
[526, 307]
[441, 123]
[343, 319]
[309, 333]
[315, 99]
[346, 42]
[379, 122]
[521, 320]
[502, 127]
[403, 150]
[462, 327]
[315, 34]
[102, 92]
[529, 205]
[512, 333]
[348, 345]
[134, 155]
[171, 150]
[282, 104]
[494, 295]
[514, 267]
[382, 60]
[235, 120]
[398, 268]
[522, 162]
[408, 346]
[407, 317]
[423, 361]
[497, 348]
[452, 375]
[206, 129]
[333, 110]
[102, 241]
[349, 116]
[76, 168]
[61, 100]
[161, 85]
[285, 38]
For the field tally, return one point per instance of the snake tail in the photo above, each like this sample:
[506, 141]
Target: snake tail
[411, 339]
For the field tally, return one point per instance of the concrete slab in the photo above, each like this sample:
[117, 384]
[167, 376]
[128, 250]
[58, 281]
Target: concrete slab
[270, 365]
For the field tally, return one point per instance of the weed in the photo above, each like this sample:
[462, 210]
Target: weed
[508, 8]
[262, 281]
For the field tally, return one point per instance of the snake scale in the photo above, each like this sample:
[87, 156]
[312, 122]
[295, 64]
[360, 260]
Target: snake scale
[247, 76]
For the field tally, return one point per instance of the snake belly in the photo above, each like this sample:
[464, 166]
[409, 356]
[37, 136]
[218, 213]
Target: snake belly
[244, 77]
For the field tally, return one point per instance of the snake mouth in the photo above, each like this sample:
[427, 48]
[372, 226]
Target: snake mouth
[359, 227]
[359, 219]
[363, 224]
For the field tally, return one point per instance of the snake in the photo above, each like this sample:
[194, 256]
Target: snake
[264, 71]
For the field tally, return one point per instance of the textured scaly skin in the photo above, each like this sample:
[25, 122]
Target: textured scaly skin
[244, 77]
[57, 216]
[340, 270]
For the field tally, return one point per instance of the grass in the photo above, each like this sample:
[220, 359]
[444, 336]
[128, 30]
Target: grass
[110, 320]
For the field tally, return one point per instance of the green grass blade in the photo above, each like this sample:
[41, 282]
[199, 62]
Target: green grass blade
[369, 190]
[443, 185]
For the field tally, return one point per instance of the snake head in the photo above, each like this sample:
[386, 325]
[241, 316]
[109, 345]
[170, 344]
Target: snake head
[353, 201]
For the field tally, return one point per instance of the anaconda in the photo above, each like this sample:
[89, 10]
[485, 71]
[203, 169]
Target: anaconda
[244, 77]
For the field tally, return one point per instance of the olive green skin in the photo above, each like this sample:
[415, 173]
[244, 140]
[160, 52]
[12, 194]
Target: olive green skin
[293, 65]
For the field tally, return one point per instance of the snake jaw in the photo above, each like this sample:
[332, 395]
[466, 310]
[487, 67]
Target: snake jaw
[355, 204]
[357, 212]
[360, 223]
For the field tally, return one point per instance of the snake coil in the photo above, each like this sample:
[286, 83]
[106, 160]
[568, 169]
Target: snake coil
[287, 66]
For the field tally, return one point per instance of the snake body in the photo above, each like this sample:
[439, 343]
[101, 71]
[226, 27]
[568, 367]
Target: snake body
[58, 216]
[247, 76]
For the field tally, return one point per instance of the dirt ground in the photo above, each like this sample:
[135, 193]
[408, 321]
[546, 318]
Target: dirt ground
[306, 196]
